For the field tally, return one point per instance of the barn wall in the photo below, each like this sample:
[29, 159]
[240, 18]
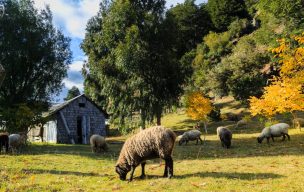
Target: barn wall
[92, 118]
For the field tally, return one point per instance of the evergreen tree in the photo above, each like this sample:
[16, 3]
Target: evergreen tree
[35, 57]
[72, 93]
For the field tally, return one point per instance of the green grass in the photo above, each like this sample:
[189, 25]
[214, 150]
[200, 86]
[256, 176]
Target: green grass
[247, 166]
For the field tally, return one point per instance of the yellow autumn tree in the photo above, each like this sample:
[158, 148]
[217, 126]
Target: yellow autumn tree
[285, 94]
[198, 107]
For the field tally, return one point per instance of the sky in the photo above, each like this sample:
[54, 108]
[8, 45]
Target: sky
[71, 17]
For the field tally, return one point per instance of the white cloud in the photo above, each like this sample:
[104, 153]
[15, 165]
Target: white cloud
[69, 84]
[70, 15]
[76, 66]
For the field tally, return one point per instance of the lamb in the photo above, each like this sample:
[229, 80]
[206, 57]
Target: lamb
[277, 130]
[190, 136]
[298, 122]
[4, 142]
[225, 136]
[154, 142]
[98, 143]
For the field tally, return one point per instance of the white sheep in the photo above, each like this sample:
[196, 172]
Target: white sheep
[191, 135]
[15, 141]
[277, 130]
[298, 123]
[98, 143]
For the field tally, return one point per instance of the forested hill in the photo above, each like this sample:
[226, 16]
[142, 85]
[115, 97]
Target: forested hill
[143, 57]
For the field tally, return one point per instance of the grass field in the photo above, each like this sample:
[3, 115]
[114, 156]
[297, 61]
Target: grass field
[247, 166]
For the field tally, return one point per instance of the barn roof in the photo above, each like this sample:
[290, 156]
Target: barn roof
[55, 108]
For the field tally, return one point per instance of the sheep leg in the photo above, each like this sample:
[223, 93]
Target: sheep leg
[287, 136]
[132, 172]
[143, 175]
[283, 139]
[272, 138]
[166, 169]
[196, 141]
[200, 140]
[268, 139]
[170, 167]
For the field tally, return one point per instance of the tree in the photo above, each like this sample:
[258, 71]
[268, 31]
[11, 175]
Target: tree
[285, 94]
[224, 12]
[192, 22]
[198, 107]
[73, 92]
[35, 57]
[2, 74]
[131, 64]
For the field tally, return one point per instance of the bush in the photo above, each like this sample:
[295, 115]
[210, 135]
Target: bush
[215, 114]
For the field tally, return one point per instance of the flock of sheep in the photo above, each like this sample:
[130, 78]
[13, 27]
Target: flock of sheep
[158, 142]
[155, 142]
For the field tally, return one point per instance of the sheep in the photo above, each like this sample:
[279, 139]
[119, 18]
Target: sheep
[225, 136]
[277, 130]
[4, 142]
[190, 136]
[154, 142]
[241, 123]
[298, 122]
[15, 141]
[98, 143]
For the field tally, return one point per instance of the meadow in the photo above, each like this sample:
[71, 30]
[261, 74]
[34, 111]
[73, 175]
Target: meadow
[247, 166]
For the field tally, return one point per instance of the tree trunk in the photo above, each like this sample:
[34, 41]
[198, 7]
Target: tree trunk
[158, 115]
[143, 117]
[2, 74]
[206, 132]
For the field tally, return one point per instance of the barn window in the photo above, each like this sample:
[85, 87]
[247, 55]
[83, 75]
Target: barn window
[81, 104]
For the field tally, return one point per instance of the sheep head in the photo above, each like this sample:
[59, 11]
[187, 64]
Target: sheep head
[260, 139]
[122, 171]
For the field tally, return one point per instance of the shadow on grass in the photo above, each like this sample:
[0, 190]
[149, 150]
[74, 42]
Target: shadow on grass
[231, 175]
[59, 172]
[227, 175]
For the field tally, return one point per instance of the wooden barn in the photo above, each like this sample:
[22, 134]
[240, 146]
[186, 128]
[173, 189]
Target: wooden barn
[73, 121]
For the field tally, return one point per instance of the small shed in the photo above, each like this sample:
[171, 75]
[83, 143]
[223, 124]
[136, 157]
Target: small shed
[72, 122]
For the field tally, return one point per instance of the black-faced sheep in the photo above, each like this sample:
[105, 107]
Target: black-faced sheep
[154, 142]
[298, 123]
[277, 130]
[191, 135]
[98, 143]
[4, 142]
[225, 136]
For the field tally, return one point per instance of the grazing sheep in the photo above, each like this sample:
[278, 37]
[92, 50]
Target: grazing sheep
[98, 143]
[241, 123]
[225, 136]
[15, 142]
[277, 130]
[298, 123]
[191, 135]
[4, 142]
[154, 142]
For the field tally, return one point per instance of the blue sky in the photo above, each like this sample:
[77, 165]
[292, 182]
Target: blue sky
[71, 17]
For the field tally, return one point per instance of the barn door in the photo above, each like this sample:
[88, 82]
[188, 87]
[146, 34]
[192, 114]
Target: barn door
[79, 130]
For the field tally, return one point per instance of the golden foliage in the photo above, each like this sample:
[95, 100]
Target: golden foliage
[197, 106]
[285, 92]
